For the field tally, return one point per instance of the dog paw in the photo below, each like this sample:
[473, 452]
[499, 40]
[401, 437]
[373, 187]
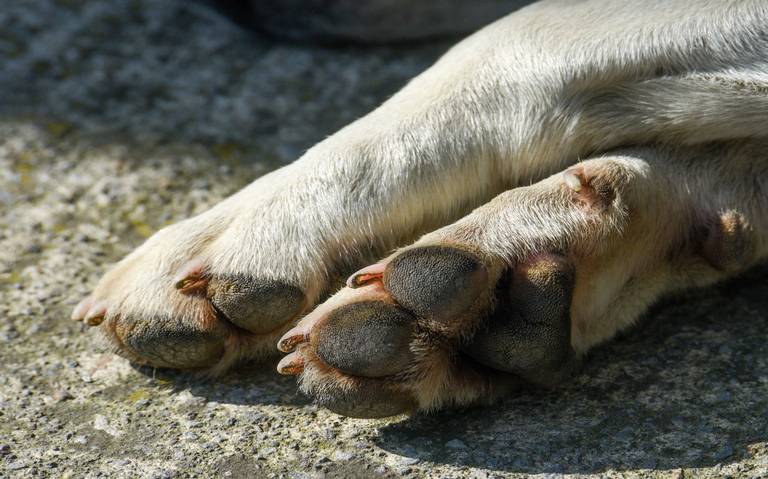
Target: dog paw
[462, 314]
[397, 338]
[517, 290]
[181, 301]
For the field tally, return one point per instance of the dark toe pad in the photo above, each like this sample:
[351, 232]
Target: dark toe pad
[259, 306]
[177, 344]
[368, 338]
[367, 400]
[437, 282]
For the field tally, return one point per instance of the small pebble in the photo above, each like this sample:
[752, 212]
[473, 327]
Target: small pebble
[16, 465]
[62, 395]
[342, 456]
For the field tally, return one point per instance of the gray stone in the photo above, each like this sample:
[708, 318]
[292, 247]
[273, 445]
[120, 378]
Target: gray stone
[16, 465]
[342, 456]
[455, 444]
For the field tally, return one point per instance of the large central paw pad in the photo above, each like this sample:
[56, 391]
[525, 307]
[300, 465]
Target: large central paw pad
[396, 339]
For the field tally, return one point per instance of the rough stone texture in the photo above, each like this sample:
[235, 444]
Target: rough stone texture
[117, 117]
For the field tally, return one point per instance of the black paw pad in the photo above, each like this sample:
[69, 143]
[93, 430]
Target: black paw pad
[437, 282]
[542, 290]
[259, 306]
[176, 344]
[365, 339]
[529, 334]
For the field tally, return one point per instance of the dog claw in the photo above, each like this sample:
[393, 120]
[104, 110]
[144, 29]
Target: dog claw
[81, 309]
[96, 314]
[291, 339]
[192, 285]
[366, 275]
[191, 279]
[291, 365]
[572, 181]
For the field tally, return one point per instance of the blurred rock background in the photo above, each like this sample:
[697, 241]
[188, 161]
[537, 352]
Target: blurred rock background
[118, 117]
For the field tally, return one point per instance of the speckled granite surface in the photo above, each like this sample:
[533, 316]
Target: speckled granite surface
[117, 117]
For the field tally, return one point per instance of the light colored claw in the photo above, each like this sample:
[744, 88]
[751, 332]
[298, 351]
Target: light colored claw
[291, 365]
[96, 314]
[293, 338]
[81, 309]
[572, 180]
[191, 278]
[366, 275]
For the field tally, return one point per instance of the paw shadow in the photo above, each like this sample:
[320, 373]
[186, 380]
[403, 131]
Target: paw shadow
[689, 388]
[248, 384]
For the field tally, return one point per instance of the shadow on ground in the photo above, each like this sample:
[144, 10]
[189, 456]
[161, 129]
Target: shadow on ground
[249, 384]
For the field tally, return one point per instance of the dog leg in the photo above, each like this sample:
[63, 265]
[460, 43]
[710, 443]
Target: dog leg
[525, 285]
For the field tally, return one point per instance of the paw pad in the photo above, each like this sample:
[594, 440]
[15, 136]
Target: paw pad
[436, 282]
[369, 339]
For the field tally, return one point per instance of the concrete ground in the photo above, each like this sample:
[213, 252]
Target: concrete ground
[117, 117]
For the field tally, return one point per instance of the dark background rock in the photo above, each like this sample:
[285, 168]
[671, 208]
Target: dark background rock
[375, 21]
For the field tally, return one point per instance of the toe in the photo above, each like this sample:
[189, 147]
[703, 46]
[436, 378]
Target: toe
[357, 397]
[529, 333]
[78, 314]
[256, 305]
[437, 282]
[194, 340]
[369, 338]
[302, 331]
[96, 313]
[346, 394]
